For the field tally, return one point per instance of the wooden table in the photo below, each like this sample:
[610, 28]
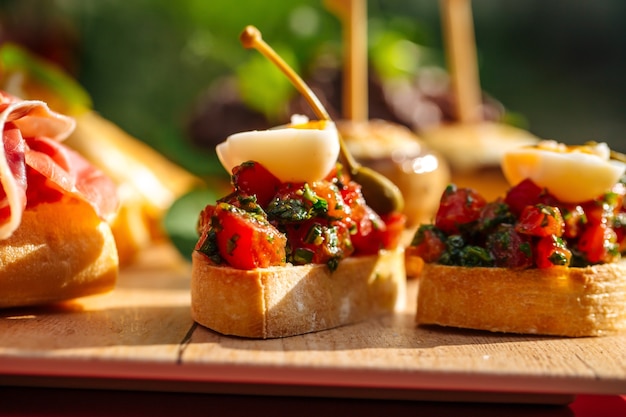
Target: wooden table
[140, 338]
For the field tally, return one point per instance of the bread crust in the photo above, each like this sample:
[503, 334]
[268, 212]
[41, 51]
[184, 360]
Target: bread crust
[61, 251]
[285, 301]
[558, 301]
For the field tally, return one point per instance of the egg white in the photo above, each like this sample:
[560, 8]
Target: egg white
[571, 174]
[291, 154]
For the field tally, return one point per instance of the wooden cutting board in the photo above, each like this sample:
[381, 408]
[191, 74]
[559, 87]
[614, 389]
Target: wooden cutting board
[141, 336]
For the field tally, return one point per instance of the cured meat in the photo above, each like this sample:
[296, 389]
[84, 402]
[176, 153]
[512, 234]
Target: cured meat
[36, 167]
[12, 179]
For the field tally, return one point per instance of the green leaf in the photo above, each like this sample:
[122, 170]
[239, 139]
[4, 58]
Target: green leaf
[181, 219]
[14, 59]
[392, 55]
[263, 86]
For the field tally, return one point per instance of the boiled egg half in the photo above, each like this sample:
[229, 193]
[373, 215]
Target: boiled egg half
[302, 151]
[571, 173]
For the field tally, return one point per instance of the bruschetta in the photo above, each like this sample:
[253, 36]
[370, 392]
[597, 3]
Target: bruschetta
[545, 258]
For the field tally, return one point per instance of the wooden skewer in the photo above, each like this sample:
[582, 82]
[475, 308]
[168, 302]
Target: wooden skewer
[353, 16]
[460, 43]
[382, 195]
[251, 38]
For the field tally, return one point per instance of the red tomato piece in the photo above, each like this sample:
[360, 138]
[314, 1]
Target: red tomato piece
[317, 241]
[369, 227]
[493, 214]
[599, 243]
[526, 193]
[351, 194]
[245, 242]
[620, 233]
[510, 248]
[597, 211]
[395, 224]
[370, 232]
[252, 178]
[541, 221]
[374, 232]
[618, 197]
[204, 219]
[575, 218]
[428, 243]
[458, 207]
[605, 207]
[337, 209]
[338, 175]
[551, 251]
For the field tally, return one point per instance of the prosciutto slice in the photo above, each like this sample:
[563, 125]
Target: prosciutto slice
[36, 167]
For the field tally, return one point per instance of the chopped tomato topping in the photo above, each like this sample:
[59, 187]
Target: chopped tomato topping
[395, 224]
[429, 243]
[459, 207]
[551, 251]
[598, 243]
[244, 241]
[527, 193]
[252, 178]
[574, 217]
[316, 241]
[510, 248]
[264, 222]
[541, 221]
[527, 228]
[493, 214]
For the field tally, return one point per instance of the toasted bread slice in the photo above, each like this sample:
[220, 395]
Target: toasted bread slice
[290, 300]
[60, 251]
[559, 301]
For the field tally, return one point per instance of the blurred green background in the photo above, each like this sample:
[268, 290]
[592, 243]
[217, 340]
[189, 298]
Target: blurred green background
[150, 64]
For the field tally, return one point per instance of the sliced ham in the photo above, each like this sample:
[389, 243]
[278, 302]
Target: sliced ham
[68, 171]
[35, 166]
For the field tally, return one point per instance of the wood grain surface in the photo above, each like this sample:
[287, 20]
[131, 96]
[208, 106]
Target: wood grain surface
[141, 336]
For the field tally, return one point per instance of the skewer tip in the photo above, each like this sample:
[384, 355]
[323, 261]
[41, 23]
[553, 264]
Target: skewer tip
[250, 36]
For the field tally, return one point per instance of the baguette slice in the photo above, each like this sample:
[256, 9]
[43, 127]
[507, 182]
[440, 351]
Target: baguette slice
[285, 301]
[572, 302]
[61, 251]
